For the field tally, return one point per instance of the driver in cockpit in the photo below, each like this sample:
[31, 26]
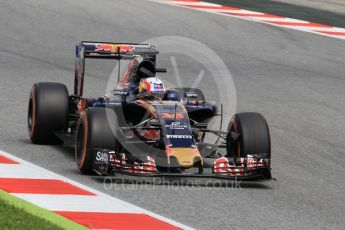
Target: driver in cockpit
[151, 88]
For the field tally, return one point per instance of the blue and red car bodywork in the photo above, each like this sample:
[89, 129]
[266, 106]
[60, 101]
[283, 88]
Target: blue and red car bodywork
[159, 138]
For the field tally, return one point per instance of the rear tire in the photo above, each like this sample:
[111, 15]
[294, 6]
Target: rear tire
[47, 112]
[94, 131]
[254, 135]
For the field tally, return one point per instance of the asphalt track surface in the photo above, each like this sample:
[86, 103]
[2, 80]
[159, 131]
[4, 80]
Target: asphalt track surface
[295, 79]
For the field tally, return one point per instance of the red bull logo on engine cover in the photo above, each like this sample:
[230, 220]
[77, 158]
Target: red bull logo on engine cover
[114, 48]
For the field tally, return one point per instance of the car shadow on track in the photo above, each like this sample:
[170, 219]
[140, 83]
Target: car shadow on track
[66, 150]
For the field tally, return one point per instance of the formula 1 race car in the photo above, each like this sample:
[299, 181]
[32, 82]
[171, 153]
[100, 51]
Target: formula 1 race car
[135, 132]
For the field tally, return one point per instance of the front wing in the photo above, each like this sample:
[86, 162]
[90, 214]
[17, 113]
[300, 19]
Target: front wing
[118, 169]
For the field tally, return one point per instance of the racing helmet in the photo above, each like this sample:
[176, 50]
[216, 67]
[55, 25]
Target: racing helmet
[151, 87]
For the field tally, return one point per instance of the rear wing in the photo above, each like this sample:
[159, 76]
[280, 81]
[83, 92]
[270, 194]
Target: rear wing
[107, 50]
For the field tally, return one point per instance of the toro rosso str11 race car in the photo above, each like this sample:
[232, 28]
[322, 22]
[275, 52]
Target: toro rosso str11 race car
[142, 129]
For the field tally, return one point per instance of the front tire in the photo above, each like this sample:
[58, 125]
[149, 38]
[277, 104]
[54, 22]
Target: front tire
[254, 135]
[95, 130]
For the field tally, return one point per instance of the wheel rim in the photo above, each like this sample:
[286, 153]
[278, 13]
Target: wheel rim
[235, 129]
[31, 114]
[80, 143]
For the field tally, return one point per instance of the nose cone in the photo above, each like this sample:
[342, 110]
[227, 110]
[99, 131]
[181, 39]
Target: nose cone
[185, 157]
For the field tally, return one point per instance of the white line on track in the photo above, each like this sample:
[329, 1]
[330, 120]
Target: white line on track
[101, 202]
[269, 19]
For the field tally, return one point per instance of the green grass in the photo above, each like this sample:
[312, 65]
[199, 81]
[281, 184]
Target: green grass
[18, 214]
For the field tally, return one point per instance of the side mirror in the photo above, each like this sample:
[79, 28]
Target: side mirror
[117, 92]
[200, 125]
[161, 70]
[155, 124]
